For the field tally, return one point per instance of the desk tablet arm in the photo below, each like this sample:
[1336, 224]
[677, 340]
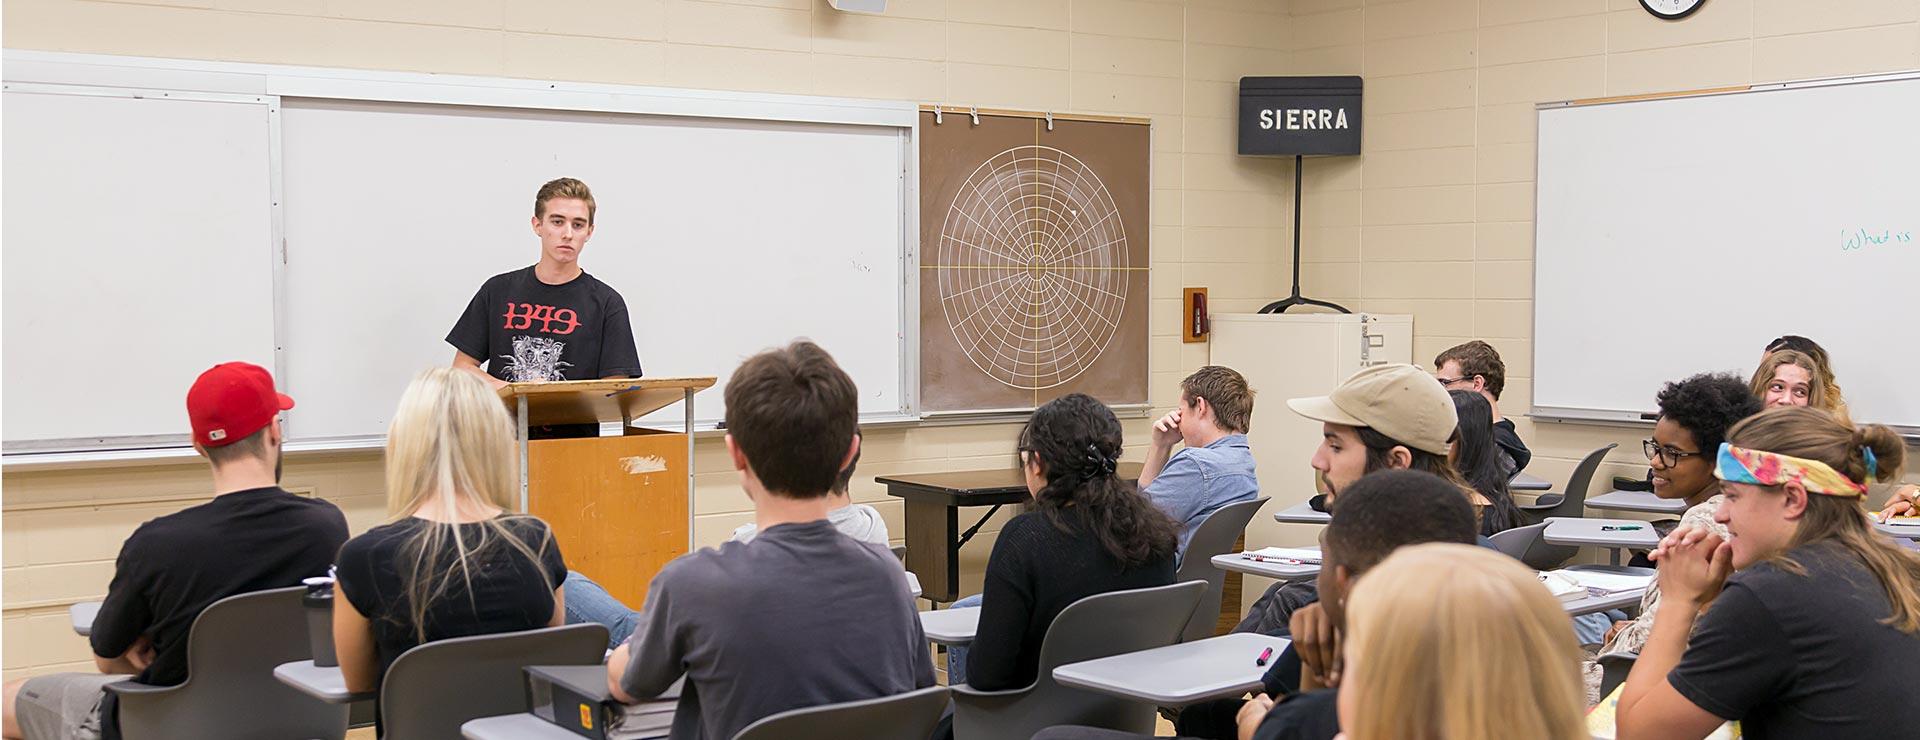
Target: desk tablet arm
[132, 688]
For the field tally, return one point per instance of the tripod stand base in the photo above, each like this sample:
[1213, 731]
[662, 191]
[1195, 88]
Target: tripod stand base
[1281, 306]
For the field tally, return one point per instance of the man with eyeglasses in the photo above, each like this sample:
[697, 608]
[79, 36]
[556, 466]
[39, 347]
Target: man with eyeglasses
[1476, 366]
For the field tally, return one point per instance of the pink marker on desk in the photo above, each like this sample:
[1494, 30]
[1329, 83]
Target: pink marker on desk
[1264, 655]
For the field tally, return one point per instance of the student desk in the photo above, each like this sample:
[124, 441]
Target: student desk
[1177, 675]
[1640, 501]
[1902, 530]
[82, 614]
[1577, 531]
[1524, 481]
[522, 726]
[1234, 563]
[1302, 513]
[933, 502]
[326, 684]
[951, 626]
[1594, 604]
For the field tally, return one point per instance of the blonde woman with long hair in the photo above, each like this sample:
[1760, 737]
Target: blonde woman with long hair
[1814, 629]
[1457, 642]
[1792, 378]
[452, 560]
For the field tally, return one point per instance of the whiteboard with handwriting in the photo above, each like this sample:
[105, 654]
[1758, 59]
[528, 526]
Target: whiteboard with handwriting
[1679, 235]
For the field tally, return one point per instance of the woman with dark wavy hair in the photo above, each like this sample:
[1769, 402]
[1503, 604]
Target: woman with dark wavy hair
[1088, 532]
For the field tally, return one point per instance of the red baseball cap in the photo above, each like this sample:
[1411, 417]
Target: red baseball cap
[232, 401]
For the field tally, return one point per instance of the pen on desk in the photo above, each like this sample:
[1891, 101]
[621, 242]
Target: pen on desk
[1264, 655]
[1621, 528]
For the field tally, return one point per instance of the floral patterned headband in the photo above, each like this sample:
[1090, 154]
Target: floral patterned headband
[1741, 465]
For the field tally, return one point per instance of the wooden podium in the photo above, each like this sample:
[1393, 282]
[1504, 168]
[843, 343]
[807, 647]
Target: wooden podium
[619, 506]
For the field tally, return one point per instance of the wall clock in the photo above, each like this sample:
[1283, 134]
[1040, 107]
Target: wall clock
[1672, 10]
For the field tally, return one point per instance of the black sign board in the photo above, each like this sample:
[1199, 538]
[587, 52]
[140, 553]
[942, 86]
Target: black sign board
[1299, 115]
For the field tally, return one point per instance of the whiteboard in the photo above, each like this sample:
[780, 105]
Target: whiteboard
[138, 232]
[725, 237]
[1675, 236]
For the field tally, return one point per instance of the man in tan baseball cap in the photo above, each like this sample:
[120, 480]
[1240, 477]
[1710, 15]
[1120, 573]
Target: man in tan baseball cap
[1383, 417]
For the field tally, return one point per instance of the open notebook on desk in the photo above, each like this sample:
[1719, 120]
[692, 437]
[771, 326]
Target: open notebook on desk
[1297, 555]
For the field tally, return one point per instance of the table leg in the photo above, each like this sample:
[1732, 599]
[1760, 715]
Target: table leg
[1613, 556]
[933, 549]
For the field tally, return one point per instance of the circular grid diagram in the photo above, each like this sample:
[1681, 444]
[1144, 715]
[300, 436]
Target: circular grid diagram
[1032, 267]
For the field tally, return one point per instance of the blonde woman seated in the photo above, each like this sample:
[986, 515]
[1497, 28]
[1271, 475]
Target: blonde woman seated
[1457, 642]
[1814, 630]
[452, 561]
[1793, 378]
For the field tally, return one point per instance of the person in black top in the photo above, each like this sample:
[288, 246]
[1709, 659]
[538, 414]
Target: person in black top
[252, 536]
[1089, 532]
[1814, 630]
[453, 562]
[1477, 457]
[550, 321]
[1378, 514]
[1476, 366]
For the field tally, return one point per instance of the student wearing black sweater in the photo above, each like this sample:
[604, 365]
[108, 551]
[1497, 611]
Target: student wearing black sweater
[1089, 532]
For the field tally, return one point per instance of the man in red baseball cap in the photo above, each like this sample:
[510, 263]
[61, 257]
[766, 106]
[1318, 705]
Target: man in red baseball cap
[252, 536]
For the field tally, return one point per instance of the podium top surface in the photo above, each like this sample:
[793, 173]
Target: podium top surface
[604, 400]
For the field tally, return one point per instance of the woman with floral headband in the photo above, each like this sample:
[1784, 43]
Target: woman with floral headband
[1815, 625]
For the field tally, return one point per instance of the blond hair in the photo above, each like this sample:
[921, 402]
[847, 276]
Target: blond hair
[451, 448]
[1810, 434]
[1454, 642]
[1821, 392]
[565, 187]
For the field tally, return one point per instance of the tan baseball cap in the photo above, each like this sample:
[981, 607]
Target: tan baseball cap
[1401, 401]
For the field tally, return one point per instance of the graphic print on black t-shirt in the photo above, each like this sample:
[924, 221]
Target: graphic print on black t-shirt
[525, 330]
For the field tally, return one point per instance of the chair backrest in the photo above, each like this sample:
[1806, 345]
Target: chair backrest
[900, 551]
[908, 716]
[1514, 542]
[434, 688]
[1215, 536]
[1094, 627]
[1574, 502]
[230, 691]
[1614, 668]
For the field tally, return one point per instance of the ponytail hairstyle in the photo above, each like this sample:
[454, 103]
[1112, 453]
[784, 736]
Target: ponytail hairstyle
[1813, 434]
[450, 447]
[1076, 441]
[1477, 460]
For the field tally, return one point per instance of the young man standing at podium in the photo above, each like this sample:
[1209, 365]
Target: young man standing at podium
[550, 321]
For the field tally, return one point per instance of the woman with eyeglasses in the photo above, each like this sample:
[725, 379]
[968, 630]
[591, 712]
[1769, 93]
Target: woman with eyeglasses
[1814, 629]
[1088, 532]
[1695, 415]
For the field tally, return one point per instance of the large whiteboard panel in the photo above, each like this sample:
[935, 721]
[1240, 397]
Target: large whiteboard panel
[138, 233]
[1677, 236]
[725, 237]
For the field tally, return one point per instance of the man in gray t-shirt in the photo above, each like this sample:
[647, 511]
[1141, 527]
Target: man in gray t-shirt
[800, 616]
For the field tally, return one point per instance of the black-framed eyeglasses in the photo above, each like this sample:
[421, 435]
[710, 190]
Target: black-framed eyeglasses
[1669, 456]
[1450, 381]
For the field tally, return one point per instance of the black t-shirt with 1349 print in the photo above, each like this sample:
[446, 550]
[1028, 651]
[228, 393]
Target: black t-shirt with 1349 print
[526, 330]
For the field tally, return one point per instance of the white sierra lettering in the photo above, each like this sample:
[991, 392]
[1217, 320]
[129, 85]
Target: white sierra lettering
[1303, 119]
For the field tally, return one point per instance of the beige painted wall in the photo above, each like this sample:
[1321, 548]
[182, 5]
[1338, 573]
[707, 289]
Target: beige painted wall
[1433, 220]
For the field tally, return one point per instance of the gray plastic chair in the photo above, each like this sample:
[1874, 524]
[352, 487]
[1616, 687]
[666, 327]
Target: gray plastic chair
[1528, 545]
[1614, 668]
[1573, 501]
[1094, 627]
[230, 691]
[432, 689]
[908, 716]
[900, 551]
[1215, 536]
